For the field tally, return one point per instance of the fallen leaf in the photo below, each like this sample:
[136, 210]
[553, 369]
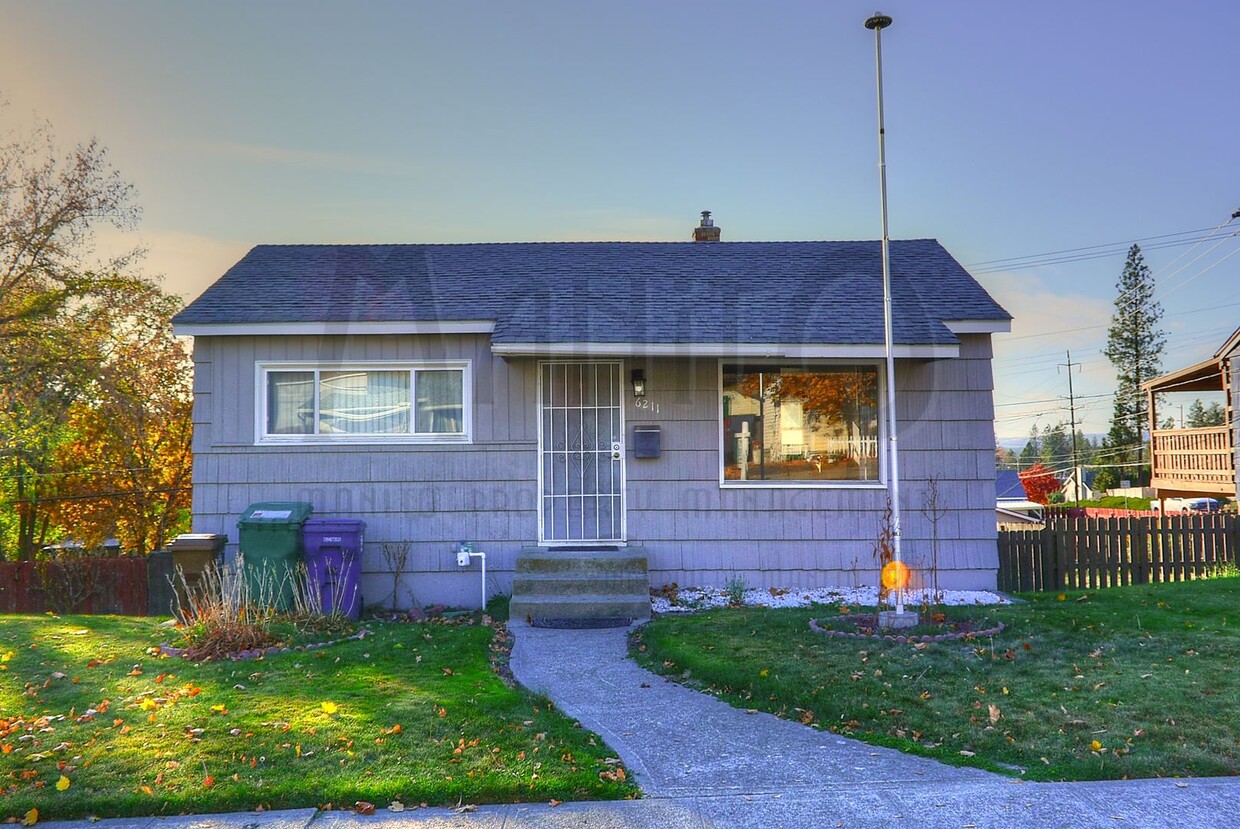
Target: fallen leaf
[62, 784]
[363, 807]
[396, 806]
[208, 782]
[1094, 745]
[554, 803]
[994, 713]
[32, 817]
[329, 708]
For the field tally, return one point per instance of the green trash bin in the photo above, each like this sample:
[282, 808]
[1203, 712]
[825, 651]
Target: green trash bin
[270, 547]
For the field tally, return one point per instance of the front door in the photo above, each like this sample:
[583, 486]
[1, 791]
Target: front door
[581, 449]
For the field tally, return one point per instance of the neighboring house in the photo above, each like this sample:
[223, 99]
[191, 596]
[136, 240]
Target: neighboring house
[1086, 478]
[719, 406]
[1008, 486]
[1012, 505]
[1187, 463]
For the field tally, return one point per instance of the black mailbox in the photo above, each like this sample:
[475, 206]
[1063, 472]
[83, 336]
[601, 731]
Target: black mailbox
[647, 441]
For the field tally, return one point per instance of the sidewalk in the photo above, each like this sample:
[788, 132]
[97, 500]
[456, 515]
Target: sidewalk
[703, 764]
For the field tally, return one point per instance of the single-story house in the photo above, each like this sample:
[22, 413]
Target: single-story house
[1012, 505]
[718, 406]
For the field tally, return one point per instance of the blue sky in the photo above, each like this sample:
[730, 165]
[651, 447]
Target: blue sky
[1013, 130]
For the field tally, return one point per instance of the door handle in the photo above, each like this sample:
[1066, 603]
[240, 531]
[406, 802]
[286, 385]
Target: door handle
[617, 451]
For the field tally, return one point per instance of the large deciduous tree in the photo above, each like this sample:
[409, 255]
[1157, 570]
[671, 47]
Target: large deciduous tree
[1134, 346]
[62, 307]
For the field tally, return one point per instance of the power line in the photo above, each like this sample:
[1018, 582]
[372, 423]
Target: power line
[1067, 251]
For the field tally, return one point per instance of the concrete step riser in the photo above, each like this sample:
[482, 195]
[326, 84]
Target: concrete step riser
[596, 607]
[581, 565]
[568, 585]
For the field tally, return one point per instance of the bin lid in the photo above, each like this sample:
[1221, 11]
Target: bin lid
[198, 541]
[275, 513]
[328, 525]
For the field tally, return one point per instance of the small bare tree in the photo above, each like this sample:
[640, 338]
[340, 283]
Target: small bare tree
[396, 556]
[884, 548]
[934, 511]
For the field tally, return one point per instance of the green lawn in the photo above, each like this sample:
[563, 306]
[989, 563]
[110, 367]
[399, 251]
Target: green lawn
[413, 714]
[1128, 682]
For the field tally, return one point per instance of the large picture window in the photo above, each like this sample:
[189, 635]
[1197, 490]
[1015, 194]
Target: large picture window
[800, 424]
[365, 402]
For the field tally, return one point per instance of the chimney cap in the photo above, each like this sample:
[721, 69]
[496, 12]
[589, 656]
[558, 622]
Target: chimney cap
[706, 231]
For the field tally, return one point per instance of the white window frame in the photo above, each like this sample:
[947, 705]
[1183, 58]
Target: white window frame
[880, 483]
[264, 368]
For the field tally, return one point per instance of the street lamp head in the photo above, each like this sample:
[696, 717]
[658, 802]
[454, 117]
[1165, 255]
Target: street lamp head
[878, 21]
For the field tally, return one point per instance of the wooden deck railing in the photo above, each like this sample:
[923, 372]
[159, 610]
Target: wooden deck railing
[1199, 460]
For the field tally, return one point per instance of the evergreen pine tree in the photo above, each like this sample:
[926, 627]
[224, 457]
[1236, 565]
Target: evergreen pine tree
[1134, 346]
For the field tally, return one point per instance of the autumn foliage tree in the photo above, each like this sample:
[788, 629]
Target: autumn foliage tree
[125, 467]
[63, 308]
[1038, 483]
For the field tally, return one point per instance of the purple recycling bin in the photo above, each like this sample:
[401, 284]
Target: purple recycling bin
[333, 550]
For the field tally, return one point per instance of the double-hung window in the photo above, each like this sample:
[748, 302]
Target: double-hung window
[800, 425]
[364, 402]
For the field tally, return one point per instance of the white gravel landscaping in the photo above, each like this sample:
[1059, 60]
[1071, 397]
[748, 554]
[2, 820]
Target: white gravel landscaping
[690, 599]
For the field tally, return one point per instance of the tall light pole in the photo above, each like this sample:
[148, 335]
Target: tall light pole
[877, 23]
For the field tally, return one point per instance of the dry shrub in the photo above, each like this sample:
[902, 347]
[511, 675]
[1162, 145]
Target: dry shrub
[225, 613]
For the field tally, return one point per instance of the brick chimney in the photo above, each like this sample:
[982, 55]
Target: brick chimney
[706, 231]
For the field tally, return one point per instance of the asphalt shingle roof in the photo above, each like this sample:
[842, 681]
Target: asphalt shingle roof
[652, 292]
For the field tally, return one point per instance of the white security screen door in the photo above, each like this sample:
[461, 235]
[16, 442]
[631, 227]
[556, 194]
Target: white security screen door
[581, 447]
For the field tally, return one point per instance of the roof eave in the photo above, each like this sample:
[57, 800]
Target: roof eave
[337, 328]
[1204, 376]
[996, 326]
[801, 351]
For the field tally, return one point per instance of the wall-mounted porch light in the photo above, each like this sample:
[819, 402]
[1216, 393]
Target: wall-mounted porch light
[639, 382]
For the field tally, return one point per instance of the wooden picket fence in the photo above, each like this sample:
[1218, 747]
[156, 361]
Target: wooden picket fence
[1076, 553]
[115, 584]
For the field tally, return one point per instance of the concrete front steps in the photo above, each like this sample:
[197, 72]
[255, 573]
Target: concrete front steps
[581, 587]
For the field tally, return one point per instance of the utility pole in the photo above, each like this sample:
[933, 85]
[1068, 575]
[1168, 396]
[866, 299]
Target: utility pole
[1076, 466]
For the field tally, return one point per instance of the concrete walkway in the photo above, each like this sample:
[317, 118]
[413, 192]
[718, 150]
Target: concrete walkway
[702, 763]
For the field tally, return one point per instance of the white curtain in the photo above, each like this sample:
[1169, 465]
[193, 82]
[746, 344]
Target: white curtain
[440, 407]
[290, 403]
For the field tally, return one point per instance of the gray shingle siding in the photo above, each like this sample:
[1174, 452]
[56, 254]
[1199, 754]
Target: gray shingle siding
[694, 530]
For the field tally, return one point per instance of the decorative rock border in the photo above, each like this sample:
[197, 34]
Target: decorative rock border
[255, 653]
[902, 639]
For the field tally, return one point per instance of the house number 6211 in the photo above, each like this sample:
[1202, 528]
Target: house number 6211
[646, 404]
